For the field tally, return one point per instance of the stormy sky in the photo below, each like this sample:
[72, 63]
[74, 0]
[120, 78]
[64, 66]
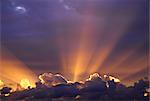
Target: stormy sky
[37, 32]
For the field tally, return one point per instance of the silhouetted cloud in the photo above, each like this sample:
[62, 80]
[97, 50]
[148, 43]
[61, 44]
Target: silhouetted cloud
[94, 88]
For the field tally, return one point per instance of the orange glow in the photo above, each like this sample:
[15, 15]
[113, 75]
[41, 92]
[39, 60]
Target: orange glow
[136, 66]
[7, 94]
[113, 78]
[70, 82]
[13, 70]
[1, 83]
[93, 76]
[88, 46]
[88, 56]
[145, 94]
[25, 83]
[140, 65]
[103, 52]
[108, 77]
[84, 49]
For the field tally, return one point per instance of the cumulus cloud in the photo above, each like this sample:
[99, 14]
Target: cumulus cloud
[108, 77]
[97, 77]
[50, 79]
[94, 84]
[55, 86]
[94, 77]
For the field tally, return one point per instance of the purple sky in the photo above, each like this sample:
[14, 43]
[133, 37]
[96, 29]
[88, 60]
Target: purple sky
[31, 28]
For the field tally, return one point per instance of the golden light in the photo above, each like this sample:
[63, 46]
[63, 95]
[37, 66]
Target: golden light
[140, 64]
[1, 83]
[12, 70]
[70, 82]
[88, 46]
[7, 94]
[40, 78]
[108, 77]
[145, 94]
[25, 83]
[95, 75]
[113, 78]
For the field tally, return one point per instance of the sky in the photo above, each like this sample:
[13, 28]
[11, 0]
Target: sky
[78, 37]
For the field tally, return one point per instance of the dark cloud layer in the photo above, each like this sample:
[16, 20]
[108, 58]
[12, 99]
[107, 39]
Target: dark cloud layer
[93, 89]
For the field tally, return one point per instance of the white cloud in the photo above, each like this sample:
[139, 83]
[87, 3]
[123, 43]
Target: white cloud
[67, 7]
[20, 9]
[94, 77]
[50, 79]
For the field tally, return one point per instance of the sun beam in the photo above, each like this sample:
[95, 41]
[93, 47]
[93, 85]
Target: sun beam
[13, 70]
